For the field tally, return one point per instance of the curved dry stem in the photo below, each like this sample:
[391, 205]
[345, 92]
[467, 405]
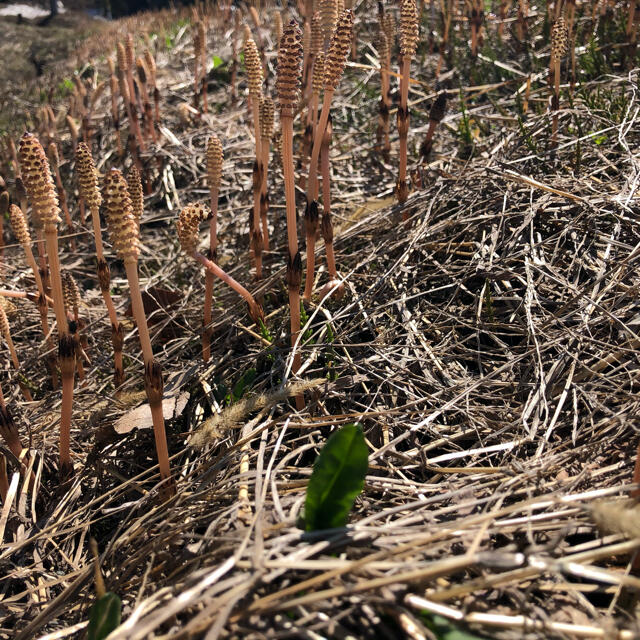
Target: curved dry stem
[254, 307]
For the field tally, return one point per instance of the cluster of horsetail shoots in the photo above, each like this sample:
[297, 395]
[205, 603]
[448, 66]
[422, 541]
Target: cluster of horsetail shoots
[113, 87]
[124, 233]
[143, 77]
[128, 98]
[253, 65]
[408, 44]
[153, 84]
[334, 65]
[187, 226]
[214, 176]
[41, 191]
[88, 184]
[288, 85]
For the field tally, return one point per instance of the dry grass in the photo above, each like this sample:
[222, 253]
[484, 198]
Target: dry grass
[489, 349]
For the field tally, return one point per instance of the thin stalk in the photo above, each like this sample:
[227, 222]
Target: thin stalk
[555, 102]
[212, 267]
[114, 114]
[137, 306]
[403, 130]
[66, 350]
[312, 189]
[153, 373]
[104, 279]
[51, 238]
[384, 109]
[208, 276]
[327, 225]
[264, 195]
[257, 187]
[42, 256]
[131, 114]
[66, 357]
[294, 268]
[42, 305]
[24, 295]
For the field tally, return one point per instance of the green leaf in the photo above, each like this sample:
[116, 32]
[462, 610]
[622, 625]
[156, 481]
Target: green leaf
[243, 384]
[104, 616]
[337, 479]
[217, 62]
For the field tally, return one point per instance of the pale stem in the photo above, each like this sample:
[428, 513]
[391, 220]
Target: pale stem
[208, 276]
[290, 198]
[311, 263]
[404, 99]
[40, 244]
[289, 182]
[131, 268]
[225, 277]
[65, 420]
[97, 232]
[160, 436]
[51, 237]
[331, 261]
[213, 222]
[255, 104]
[264, 144]
[312, 193]
[315, 99]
